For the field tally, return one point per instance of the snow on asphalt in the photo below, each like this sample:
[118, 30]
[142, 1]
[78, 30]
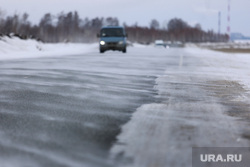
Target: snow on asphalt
[189, 114]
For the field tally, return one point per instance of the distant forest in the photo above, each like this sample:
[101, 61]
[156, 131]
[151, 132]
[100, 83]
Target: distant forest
[69, 27]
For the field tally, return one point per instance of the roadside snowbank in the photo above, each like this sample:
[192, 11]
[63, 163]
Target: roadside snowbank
[228, 66]
[228, 45]
[16, 48]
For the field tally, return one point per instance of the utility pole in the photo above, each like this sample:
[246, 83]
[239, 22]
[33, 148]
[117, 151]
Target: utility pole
[228, 20]
[219, 22]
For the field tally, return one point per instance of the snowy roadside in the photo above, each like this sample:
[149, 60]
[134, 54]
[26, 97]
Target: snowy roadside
[242, 46]
[16, 48]
[198, 93]
[228, 66]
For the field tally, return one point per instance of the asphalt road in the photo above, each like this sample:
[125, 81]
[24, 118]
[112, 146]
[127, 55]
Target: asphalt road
[143, 109]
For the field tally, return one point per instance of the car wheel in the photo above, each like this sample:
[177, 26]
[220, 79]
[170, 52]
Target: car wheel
[124, 50]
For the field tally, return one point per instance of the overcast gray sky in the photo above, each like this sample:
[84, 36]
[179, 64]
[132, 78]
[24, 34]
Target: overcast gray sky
[204, 12]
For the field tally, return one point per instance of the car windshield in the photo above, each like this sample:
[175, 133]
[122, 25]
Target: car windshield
[112, 32]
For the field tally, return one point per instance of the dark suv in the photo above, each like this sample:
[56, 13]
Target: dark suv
[112, 38]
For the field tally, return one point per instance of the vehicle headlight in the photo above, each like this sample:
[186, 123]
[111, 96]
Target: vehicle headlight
[120, 42]
[102, 42]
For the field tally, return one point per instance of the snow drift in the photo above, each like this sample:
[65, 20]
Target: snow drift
[15, 48]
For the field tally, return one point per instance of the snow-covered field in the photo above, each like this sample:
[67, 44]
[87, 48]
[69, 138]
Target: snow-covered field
[237, 44]
[16, 48]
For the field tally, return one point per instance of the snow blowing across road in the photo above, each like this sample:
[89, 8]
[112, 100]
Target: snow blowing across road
[16, 48]
[146, 108]
[197, 93]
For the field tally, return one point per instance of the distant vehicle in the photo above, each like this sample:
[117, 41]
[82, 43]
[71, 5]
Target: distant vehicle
[112, 38]
[160, 43]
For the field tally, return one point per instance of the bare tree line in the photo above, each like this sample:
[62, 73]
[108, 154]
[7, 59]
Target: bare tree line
[69, 27]
[175, 30]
